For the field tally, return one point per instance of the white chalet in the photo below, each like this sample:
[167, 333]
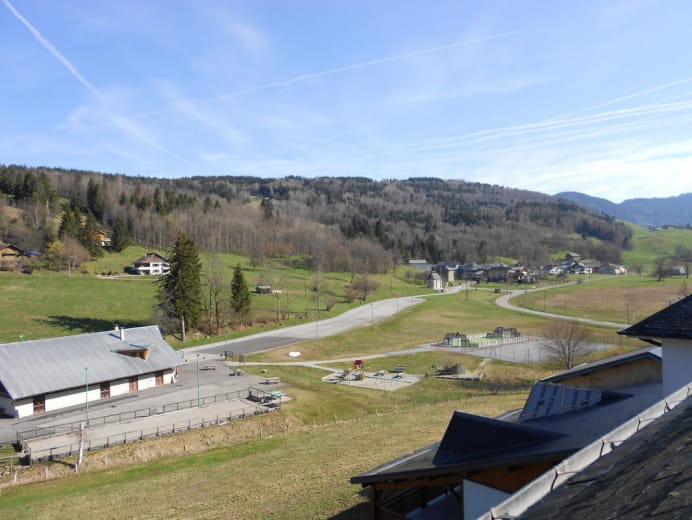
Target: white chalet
[152, 263]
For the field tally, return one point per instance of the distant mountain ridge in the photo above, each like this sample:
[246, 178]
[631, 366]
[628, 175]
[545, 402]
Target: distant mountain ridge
[675, 211]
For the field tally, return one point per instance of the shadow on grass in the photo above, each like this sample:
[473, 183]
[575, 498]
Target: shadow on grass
[73, 323]
[357, 512]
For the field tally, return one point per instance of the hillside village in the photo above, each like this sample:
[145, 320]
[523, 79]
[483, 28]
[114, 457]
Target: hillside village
[107, 383]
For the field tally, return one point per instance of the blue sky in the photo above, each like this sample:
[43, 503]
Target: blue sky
[550, 96]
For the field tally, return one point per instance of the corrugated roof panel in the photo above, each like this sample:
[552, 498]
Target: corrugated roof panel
[38, 367]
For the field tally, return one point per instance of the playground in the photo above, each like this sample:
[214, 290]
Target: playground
[378, 380]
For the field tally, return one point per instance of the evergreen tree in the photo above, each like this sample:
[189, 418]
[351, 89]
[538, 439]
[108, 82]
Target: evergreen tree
[240, 294]
[90, 236]
[180, 291]
[121, 235]
[70, 224]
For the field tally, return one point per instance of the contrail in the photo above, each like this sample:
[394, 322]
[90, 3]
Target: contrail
[623, 98]
[390, 59]
[120, 122]
[345, 68]
[50, 48]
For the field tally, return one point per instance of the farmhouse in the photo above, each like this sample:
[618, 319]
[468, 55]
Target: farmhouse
[49, 374]
[11, 257]
[151, 263]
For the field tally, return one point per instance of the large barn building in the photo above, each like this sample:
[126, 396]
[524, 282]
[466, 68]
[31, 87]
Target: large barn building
[49, 374]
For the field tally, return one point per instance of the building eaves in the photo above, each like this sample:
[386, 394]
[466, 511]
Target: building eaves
[586, 368]
[675, 322]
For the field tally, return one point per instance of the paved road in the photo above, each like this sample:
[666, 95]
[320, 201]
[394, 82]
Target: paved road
[362, 316]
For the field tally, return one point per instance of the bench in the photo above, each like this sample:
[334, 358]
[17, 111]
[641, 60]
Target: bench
[271, 380]
[209, 367]
[399, 369]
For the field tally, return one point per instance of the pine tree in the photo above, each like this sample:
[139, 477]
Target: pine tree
[70, 224]
[240, 294]
[121, 235]
[90, 236]
[180, 291]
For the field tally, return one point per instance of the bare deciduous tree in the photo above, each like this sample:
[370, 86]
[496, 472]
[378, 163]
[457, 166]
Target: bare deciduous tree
[565, 340]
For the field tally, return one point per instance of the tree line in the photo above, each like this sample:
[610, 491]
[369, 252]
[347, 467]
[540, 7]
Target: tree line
[341, 224]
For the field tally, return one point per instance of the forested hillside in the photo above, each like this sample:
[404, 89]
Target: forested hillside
[354, 223]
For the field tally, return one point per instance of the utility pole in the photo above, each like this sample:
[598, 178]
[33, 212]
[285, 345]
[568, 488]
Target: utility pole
[197, 380]
[86, 384]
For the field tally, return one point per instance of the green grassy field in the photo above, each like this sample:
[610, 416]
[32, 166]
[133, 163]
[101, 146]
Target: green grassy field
[620, 299]
[48, 304]
[649, 245]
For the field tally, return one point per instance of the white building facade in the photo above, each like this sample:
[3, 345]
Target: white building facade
[46, 375]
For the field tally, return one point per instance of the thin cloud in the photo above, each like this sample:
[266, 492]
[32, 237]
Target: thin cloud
[623, 98]
[120, 122]
[337, 70]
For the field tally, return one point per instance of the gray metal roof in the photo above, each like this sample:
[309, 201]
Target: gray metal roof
[42, 366]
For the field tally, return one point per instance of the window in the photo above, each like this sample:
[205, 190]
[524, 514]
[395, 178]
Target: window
[105, 390]
[39, 403]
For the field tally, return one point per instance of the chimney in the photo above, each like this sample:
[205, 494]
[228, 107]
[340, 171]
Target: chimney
[121, 332]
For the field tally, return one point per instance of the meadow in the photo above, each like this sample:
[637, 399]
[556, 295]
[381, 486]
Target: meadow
[294, 463]
[49, 304]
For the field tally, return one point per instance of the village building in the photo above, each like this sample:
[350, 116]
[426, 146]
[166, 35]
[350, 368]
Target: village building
[152, 263]
[11, 257]
[435, 281]
[613, 269]
[419, 263]
[45, 375]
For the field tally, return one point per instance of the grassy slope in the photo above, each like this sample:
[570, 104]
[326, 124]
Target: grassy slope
[649, 245]
[88, 303]
[621, 299]
[286, 476]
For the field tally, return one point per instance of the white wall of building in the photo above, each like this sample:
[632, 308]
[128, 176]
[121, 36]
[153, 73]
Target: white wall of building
[24, 407]
[169, 377]
[146, 381]
[77, 396]
[120, 387]
[677, 364]
[72, 397]
[478, 499]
